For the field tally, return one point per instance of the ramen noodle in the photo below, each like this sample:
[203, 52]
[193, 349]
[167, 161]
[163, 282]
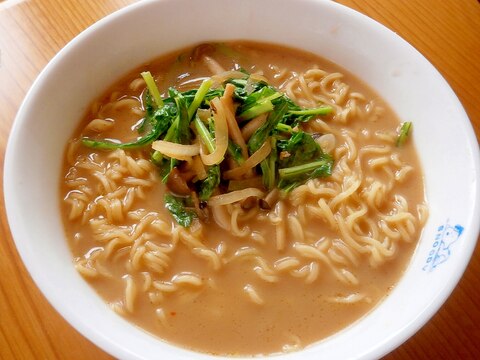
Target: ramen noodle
[245, 277]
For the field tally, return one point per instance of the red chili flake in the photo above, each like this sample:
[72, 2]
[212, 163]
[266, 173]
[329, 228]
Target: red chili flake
[173, 313]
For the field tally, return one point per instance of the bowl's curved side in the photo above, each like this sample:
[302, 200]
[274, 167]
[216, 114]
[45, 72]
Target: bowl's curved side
[114, 45]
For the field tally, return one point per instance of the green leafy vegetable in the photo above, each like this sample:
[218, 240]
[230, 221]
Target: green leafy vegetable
[235, 152]
[211, 182]
[301, 148]
[182, 133]
[259, 109]
[152, 88]
[404, 132]
[149, 104]
[257, 102]
[261, 134]
[178, 210]
[199, 97]
[269, 165]
[302, 159]
[294, 117]
[204, 134]
[295, 175]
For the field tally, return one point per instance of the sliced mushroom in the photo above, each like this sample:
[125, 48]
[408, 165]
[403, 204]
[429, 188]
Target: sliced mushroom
[249, 203]
[177, 184]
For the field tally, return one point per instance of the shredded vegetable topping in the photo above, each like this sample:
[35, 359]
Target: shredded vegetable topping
[404, 132]
[228, 140]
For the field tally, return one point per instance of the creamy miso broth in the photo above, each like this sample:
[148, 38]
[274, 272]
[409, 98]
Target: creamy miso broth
[268, 273]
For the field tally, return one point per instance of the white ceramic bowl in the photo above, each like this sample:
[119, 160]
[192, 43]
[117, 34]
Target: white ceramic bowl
[53, 107]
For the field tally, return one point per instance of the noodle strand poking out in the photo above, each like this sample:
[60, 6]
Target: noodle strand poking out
[260, 269]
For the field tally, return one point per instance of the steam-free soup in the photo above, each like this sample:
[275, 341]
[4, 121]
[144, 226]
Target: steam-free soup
[276, 266]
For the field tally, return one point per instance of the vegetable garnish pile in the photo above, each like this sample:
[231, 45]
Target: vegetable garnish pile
[230, 140]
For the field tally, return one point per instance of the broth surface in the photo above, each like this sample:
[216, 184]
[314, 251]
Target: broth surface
[259, 298]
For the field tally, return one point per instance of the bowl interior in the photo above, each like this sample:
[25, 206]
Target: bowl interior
[115, 45]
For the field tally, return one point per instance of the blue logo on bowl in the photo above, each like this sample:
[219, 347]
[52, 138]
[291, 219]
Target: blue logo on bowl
[441, 248]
